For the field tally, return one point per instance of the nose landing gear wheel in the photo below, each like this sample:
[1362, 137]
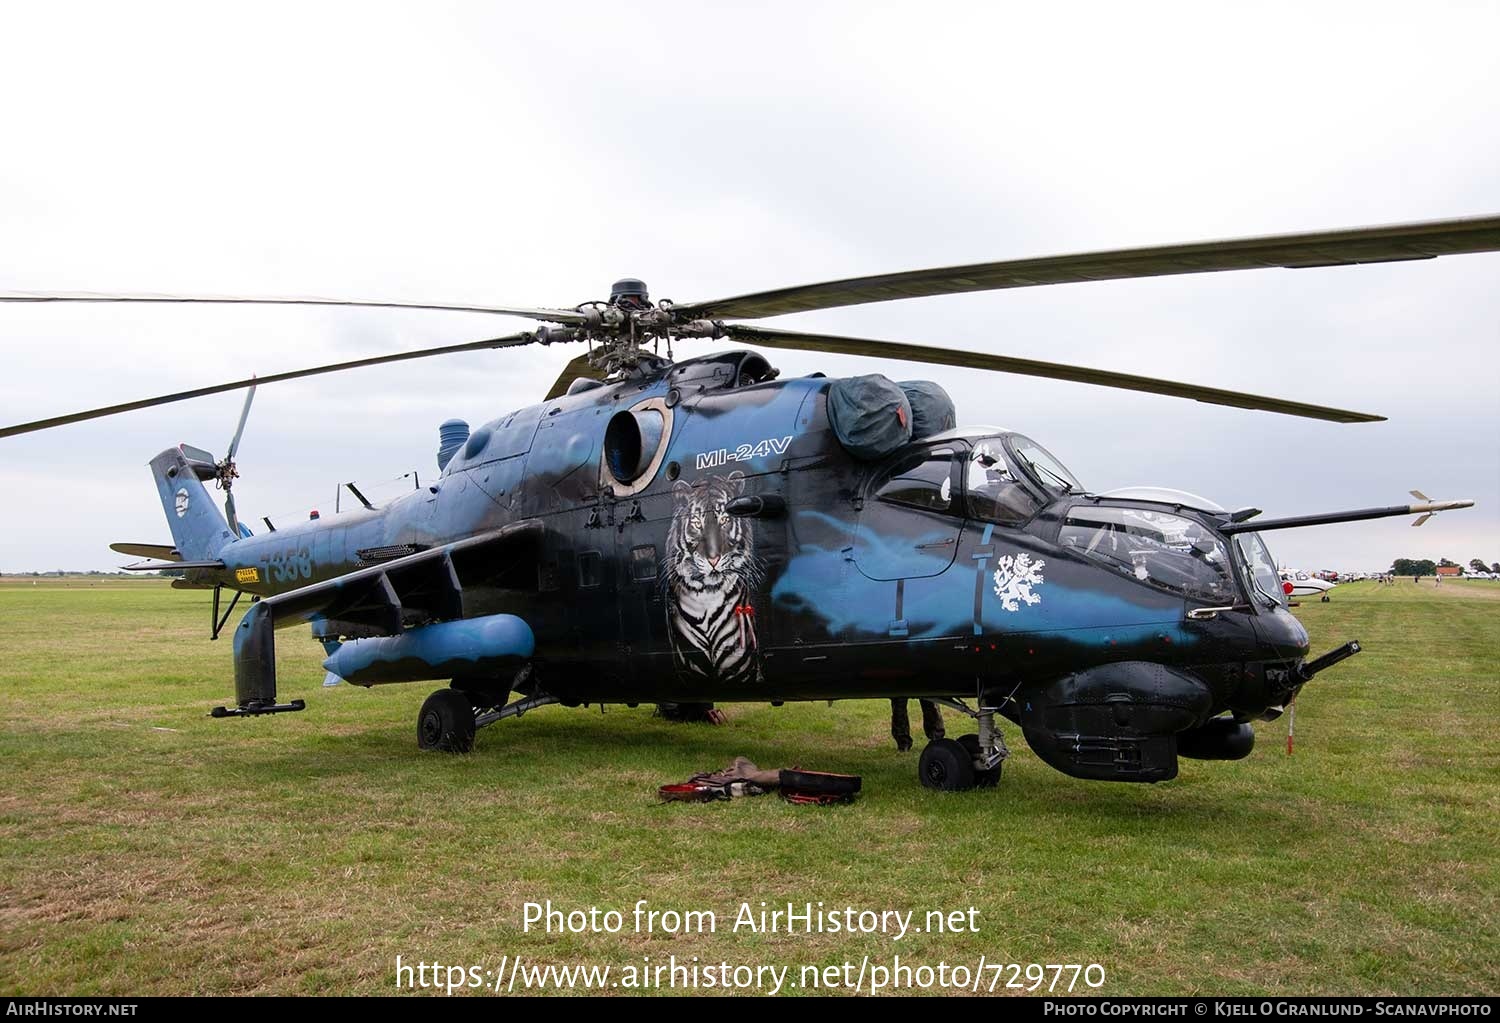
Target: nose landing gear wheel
[946, 766]
[986, 779]
[446, 722]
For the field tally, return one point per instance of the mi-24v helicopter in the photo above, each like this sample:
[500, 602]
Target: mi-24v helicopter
[703, 530]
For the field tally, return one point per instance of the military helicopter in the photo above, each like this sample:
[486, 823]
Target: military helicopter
[659, 531]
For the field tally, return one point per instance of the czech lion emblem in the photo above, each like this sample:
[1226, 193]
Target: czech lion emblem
[1014, 579]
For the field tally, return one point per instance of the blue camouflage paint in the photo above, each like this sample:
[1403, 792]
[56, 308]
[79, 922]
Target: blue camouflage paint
[943, 605]
[982, 560]
[471, 646]
[721, 434]
[857, 600]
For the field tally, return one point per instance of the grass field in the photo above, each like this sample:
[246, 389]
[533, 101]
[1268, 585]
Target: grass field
[146, 849]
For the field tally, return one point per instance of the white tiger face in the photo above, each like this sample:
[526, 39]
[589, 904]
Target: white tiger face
[709, 548]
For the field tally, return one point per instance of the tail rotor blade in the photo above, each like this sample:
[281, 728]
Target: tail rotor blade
[234, 445]
[227, 471]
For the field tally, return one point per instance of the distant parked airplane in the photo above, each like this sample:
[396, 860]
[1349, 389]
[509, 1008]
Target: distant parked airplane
[1301, 584]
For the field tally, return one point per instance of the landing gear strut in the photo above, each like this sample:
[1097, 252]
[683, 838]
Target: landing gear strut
[450, 717]
[971, 761]
[984, 777]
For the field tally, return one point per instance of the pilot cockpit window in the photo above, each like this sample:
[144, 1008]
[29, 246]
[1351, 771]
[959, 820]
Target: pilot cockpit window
[993, 491]
[923, 479]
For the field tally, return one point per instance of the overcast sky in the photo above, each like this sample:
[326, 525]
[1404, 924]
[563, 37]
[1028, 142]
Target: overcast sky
[531, 154]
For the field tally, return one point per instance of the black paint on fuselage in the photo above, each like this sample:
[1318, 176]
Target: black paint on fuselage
[845, 595]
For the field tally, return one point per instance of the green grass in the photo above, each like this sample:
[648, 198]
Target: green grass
[146, 849]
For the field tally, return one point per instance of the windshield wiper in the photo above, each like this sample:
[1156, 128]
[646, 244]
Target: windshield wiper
[1067, 488]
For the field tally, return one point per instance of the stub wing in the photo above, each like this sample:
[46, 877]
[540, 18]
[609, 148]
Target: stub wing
[427, 585]
[382, 600]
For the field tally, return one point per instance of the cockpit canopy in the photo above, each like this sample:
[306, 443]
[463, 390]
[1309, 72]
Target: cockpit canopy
[1006, 478]
[1165, 495]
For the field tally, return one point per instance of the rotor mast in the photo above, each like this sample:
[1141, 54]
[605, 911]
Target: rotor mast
[618, 330]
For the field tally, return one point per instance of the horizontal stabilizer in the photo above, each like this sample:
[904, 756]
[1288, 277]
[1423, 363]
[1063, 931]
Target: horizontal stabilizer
[160, 551]
[170, 566]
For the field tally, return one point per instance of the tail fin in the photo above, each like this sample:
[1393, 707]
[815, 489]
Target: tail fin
[198, 527]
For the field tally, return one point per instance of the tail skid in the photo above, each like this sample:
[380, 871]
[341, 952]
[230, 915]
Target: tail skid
[255, 710]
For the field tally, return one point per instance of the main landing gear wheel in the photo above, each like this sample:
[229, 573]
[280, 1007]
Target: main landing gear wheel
[946, 766]
[446, 722]
[986, 779]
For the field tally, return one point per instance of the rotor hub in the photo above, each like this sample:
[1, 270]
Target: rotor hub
[620, 328]
[629, 293]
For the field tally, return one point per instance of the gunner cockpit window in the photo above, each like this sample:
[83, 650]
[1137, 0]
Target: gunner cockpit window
[1262, 568]
[1169, 551]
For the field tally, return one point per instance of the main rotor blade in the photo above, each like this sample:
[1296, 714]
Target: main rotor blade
[579, 367]
[797, 340]
[239, 431]
[510, 341]
[1296, 251]
[548, 315]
